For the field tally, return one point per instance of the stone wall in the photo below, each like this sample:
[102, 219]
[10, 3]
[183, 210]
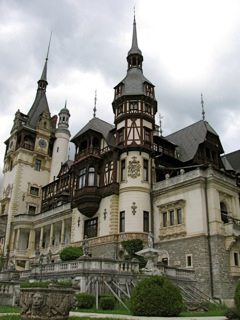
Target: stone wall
[224, 283]
[198, 248]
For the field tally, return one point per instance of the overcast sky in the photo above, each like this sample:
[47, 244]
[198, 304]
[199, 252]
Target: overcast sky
[189, 47]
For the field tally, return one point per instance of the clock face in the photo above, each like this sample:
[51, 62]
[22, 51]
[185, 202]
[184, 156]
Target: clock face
[42, 143]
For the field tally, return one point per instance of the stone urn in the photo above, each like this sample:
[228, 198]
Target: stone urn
[46, 303]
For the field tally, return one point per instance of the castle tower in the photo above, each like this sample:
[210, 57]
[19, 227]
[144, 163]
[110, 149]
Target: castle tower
[135, 107]
[61, 144]
[27, 162]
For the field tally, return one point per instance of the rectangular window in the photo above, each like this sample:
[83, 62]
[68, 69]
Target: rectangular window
[171, 217]
[147, 135]
[236, 259]
[145, 221]
[90, 228]
[37, 165]
[32, 209]
[122, 221]
[145, 169]
[189, 262]
[34, 191]
[121, 135]
[133, 107]
[82, 178]
[164, 215]
[179, 215]
[123, 170]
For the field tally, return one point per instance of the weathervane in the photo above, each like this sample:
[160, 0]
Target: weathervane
[203, 111]
[160, 124]
[95, 104]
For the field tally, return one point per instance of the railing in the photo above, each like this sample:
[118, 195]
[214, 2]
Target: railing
[86, 265]
[87, 152]
[179, 273]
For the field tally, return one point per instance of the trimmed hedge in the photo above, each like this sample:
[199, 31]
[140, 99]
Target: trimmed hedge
[156, 296]
[237, 297]
[71, 253]
[85, 300]
[107, 302]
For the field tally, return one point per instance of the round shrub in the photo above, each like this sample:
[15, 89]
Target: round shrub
[156, 296]
[84, 300]
[107, 302]
[237, 297]
[71, 253]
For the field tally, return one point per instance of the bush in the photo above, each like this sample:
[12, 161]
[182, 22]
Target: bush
[132, 246]
[85, 300]
[35, 284]
[232, 314]
[71, 253]
[156, 296]
[237, 297]
[107, 302]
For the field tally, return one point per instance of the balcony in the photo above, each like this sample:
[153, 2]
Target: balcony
[232, 226]
[87, 200]
[94, 152]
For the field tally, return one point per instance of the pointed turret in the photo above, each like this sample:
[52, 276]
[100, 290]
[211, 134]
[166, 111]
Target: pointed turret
[40, 103]
[61, 144]
[134, 57]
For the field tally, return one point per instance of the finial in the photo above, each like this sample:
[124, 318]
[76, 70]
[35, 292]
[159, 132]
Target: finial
[134, 20]
[95, 104]
[160, 124]
[44, 72]
[49, 45]
[203, 111]
[65, 106]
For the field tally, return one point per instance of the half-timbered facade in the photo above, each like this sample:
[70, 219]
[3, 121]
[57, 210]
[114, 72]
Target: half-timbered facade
[125, 181]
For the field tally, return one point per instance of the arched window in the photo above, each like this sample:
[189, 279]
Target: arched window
[224, 212]
[91, 175]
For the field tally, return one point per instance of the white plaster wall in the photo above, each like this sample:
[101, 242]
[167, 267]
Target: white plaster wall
[134, 223]
[60, 153]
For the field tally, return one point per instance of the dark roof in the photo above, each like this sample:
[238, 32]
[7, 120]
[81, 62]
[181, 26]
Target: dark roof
[97, 125]
[233, 159]
[134, 82]
[188, 139]
[40, 103]
[39, 106]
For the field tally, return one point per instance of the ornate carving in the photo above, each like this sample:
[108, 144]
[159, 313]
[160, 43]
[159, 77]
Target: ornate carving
[46, 304]
[134, 168]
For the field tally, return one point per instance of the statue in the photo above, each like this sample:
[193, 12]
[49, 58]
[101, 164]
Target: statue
[150, 240]
[85, 246]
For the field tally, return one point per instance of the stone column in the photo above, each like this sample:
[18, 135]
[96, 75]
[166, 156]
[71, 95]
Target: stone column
[17, 239]
[31, 241]
[63, 232]
[41, 238]
[51, 235]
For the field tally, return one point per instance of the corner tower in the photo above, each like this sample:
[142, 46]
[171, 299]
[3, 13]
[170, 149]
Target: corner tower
[27, 164]
[134, 107]
[61, 144]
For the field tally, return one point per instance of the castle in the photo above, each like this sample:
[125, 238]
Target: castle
[126, 180]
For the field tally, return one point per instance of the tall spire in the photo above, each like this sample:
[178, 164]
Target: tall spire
[40, 103]
[134, 57]
[203, 111]
[44, 72]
